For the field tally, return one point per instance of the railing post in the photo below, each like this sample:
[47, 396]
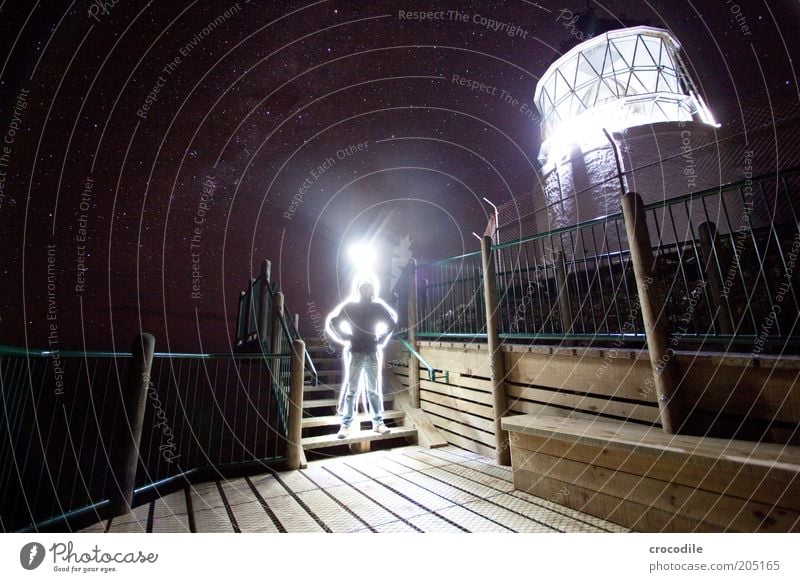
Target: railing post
[251, 316]
[662, 358]
[263, 303]
[411, 317]
[297, 323]
[502, 452]
[709, 245]
[294, 422]
[277, 333]
[562, 286]
[241, 324]
[127, 431]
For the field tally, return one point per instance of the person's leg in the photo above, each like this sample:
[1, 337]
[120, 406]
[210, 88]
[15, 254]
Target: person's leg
[351, 389]
[374, 396]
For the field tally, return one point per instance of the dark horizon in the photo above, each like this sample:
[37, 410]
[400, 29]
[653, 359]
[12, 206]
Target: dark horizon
[154, 155]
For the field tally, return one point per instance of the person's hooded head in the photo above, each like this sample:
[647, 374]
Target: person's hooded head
[366, 290]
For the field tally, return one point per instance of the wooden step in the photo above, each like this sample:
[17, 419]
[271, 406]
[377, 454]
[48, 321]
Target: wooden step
[335, 372]
[322, 402]
[326, 360]
[308, 389]
[315, 421]
[330, 440]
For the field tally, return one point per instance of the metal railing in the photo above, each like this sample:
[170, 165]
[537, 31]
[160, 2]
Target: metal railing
[726, 261]
[59, 410]
[255, 316]
[450, 297]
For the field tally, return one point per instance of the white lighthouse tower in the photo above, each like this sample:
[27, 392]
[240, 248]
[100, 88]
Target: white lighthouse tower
[628, 90]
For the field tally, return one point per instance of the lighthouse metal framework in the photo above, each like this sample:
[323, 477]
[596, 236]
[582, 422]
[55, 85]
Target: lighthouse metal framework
[621, 79]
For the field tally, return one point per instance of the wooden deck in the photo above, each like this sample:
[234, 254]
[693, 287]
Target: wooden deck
[409, 489]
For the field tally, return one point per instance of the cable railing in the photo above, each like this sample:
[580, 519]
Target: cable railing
[257, 329]
[62, 413]
[726, 260]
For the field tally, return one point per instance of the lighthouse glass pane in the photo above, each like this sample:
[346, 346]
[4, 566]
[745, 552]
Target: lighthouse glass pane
[616, 80]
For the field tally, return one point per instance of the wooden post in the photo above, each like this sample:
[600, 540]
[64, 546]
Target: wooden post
[263, 303]
[297, 323]
[562, 285]
[250, 319]
[709, 245]
[413, 362]
[127, 431]
[294, 422]
[277, 334]
[662, 358]
[241, 324]
[502, 452]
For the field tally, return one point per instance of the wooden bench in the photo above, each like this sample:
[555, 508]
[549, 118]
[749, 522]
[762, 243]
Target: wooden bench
[650, 481]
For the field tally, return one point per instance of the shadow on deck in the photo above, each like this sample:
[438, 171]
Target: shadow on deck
[409, 489]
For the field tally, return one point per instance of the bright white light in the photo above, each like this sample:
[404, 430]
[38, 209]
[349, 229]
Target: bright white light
[362, 256]
[625, 78]
[346, 328]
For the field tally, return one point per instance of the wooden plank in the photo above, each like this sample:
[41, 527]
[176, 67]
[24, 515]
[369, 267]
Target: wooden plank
[473, 361]
[457, 392]
[611, 376]
[636, 516]
[330, 440]
[463, 430]
[335, 420]
[628, 436]
[470, 445]
[523, 407]
[427, 434]
[458, 416]
[647, 413]
[328, 402]
[458, 404]
[481, 384]
[729, 513]
[717, 476]
[769, 393]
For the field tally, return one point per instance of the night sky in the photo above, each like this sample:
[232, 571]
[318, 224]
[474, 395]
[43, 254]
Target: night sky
[147, 144]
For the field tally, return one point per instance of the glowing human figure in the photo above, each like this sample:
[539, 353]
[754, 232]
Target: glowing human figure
[363, 324]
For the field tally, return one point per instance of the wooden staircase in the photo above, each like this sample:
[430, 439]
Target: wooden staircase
[321, 422]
